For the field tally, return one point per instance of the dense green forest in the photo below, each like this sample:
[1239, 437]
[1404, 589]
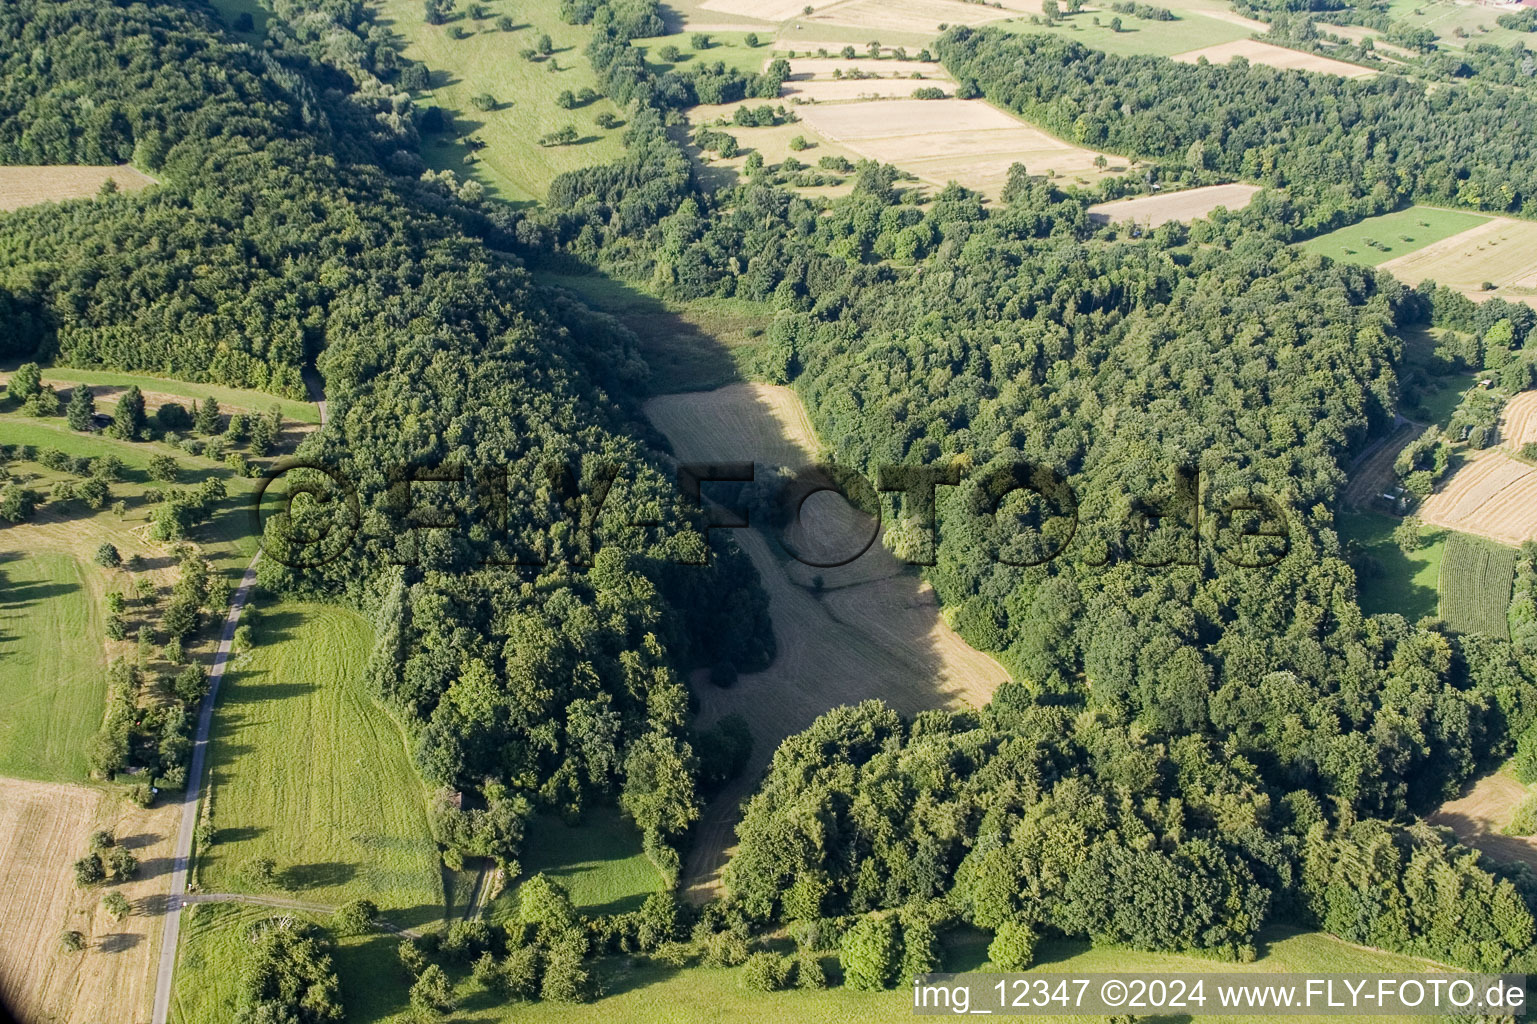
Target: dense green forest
[1193, 747]
[274, 239]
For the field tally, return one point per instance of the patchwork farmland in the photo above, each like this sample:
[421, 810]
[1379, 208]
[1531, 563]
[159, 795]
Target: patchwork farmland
[1376, 240]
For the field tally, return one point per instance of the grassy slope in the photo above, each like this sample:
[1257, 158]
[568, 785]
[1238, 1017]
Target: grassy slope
[600, 861]
[1408, 584]
[1444, 18]
[641, 992]
[51, 691]
[229, 399]
[1421, 225]
[308, 770]
[226, 539]
[511, 166]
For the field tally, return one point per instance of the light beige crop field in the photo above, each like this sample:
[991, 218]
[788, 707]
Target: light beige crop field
[1500, 251]
[829, 91]
[1518, 424]
[1191, 204]
[916, 16]
[28, 186]
[802, 68]
[763, 10]
[1481, 811]
[871, 629]
[44, 828]
[1274, 56]
[1491, 494]
[967, 141]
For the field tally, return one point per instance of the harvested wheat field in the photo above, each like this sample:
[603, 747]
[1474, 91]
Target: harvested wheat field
[1501, 251]
[1191, 204]
[1276, 57]
[44, 828]
[763, 10]
[940, 141]
[1518, 424]
[28, 186]
[1479, 813]
[868, 629]
[921, 17]
[1491, 495]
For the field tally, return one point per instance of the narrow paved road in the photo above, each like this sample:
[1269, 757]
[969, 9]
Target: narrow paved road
[184, 833]
[182, 858]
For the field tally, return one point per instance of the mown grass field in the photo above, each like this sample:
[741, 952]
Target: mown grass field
[600, 861]
[729, 48]
[1192, 31]
[511, 165]
[53, 682]
[229, 399]
[1476, 577]
[308, 770]
[1445, 18]
[1396, 234]
[1406, 584]
[639, 991]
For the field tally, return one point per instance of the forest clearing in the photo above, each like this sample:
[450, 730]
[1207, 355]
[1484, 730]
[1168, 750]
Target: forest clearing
[868, 629]
[28, 186]
[1274, 56]
[967, 141]
[1184, 206]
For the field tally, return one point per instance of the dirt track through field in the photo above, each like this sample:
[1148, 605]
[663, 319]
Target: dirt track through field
[1374, 476]
[44, 828]
[1481, 811]
[871, 629]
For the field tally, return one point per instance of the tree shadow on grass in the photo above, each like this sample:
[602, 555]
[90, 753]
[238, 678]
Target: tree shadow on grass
[321, 875]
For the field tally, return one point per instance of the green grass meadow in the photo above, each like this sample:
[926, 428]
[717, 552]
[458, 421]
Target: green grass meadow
[1476, 577]
[637, 990]
[53, 685]
[228, 398]
[1396, 234]
[307, 769]
[1445, 18]
[1406, 584]
[600, 861]
[512, 166]
[1192, 31]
